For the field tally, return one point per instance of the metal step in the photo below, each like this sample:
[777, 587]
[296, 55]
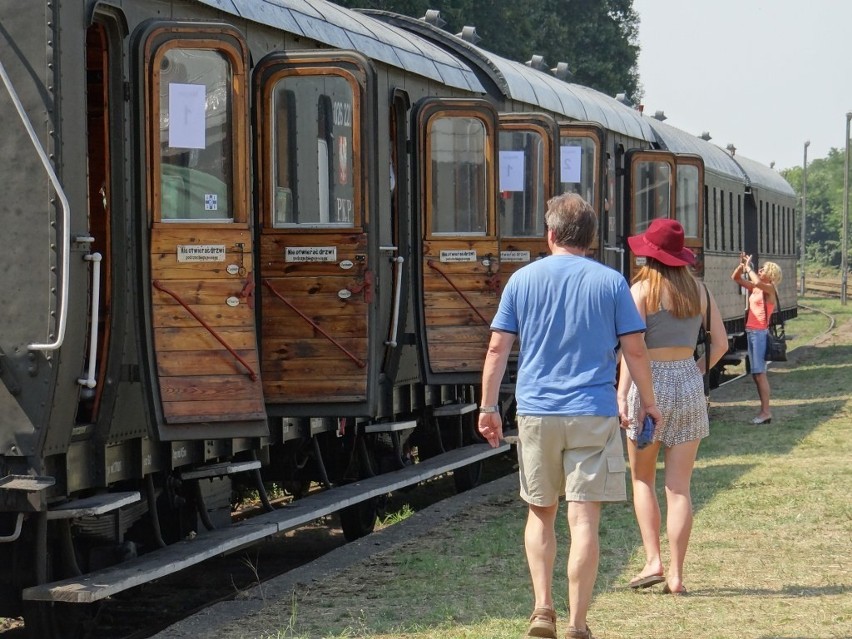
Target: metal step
[390, 427]
[91, 506]
[26, 483]
[218, 470]
[454, 410]
[100, 584]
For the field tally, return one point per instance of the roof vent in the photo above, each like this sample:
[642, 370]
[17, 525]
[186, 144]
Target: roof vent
[433, 17]
[562, 71]
[772, 164]
[705, 136]
[731, 149]
[468, 34]
[622, 97]
[537, 62]
[659, 115]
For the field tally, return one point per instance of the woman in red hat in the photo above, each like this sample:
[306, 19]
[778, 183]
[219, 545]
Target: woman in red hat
[674, 305]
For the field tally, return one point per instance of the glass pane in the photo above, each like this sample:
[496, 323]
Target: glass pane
[688, 190]
[196, 134]
[577, 162]
[522, 170]
[312, 151]
[651, 189]
[459, 183]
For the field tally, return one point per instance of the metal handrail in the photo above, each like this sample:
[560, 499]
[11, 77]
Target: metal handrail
[90, 381]
[66, 220]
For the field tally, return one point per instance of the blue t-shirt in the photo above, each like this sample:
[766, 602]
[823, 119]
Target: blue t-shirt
[568, 313]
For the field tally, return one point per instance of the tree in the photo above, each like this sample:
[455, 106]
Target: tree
[825, 206]
[596, 38]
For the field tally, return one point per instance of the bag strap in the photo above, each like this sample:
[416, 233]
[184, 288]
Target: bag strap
[777, 309]
[707, 341]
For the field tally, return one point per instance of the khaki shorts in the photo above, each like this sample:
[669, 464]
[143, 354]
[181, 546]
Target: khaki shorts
[581, 457]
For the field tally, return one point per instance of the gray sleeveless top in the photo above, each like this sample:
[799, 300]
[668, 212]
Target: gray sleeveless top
[663, 329]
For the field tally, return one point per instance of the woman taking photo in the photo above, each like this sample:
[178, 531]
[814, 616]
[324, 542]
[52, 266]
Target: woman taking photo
[674, 306]
[762, 300]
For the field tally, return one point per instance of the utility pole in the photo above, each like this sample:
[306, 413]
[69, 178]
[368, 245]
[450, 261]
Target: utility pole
[804, 214]
[843, 248]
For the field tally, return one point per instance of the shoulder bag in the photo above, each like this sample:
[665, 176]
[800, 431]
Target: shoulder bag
[776, 339]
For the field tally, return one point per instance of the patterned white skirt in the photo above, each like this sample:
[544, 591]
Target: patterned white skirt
[679, 392]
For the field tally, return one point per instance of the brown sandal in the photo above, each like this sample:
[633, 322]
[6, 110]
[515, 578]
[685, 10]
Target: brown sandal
[573, 633]
[543, 623]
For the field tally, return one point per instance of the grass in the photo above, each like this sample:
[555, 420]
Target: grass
[770, 554]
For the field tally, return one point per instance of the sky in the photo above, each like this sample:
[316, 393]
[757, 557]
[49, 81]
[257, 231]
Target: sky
[763, 75]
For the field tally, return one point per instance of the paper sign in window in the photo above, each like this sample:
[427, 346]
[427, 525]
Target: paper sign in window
[511, 170]
[570, 160]
[187, 120]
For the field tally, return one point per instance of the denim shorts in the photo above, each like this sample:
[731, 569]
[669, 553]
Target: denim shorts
[757, 350]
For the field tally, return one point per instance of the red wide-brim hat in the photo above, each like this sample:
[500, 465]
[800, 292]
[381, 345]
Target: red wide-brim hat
[663, 241]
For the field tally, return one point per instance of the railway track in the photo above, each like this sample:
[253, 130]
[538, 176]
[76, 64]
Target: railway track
[825, 287]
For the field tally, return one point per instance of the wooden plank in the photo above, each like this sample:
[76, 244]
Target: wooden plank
[165, 238]
[452, 317]
[314, 286]
[320, 348]
[199, 292]
[221, 362]
[221, 315]
[200, 339]
[313, 307]
[166, 267]
[276, 327]
[208, 387]
[100, 584]
[458, 334]
[213, 411]
[315, 390]
[308, 368]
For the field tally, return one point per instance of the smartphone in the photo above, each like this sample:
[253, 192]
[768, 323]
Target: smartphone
[646, 433]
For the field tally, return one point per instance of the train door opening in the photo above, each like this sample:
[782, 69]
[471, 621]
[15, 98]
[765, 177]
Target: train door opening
[100, 223]
[649, 193]
[527, 180]
[200, 256]
[318, 261]
[459, 252]
[689, 206]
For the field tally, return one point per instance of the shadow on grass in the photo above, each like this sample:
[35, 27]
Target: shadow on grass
[785, 592]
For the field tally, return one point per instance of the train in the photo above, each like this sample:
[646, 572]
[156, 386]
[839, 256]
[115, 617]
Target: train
[262, 243]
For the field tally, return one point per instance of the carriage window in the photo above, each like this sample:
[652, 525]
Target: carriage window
[196, 135]
[577, 162]
[313, 146]
[521, 203]
[651, 192]
[459, 198]
[688, 189]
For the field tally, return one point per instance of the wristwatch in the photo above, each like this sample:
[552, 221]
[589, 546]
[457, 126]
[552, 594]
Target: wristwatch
[488, 409]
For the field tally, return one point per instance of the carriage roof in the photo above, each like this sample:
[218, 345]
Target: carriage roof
[339, 27]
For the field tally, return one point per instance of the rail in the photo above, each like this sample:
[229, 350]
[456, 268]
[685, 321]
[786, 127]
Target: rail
[824, 286]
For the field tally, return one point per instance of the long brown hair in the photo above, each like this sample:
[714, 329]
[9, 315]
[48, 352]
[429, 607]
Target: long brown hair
[678, 284]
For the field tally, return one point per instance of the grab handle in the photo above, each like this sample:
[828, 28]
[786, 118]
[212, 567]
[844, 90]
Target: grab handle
[95, 259]
[65, 249]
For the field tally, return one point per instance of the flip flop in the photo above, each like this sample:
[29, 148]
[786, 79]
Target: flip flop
[669, 591]
[646, 582]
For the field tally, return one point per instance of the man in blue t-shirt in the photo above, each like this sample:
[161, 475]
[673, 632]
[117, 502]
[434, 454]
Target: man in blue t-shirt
[569, 313]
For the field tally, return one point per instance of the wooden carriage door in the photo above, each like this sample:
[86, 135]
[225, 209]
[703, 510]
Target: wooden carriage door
[459, 259]
[649, 193]
[317, 271]
[526, 181]
[201, 265]
[581, 170]
[689, 205]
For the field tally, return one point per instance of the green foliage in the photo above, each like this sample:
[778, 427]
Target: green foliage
[824, 215]
[598, 39]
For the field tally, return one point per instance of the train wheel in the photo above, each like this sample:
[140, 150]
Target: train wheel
[468, 477]
[359, 520]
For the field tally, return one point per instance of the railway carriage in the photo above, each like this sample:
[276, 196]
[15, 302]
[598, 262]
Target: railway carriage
[255, 242]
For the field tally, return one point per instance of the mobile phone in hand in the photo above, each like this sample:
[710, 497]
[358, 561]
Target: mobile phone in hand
[646, 433]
